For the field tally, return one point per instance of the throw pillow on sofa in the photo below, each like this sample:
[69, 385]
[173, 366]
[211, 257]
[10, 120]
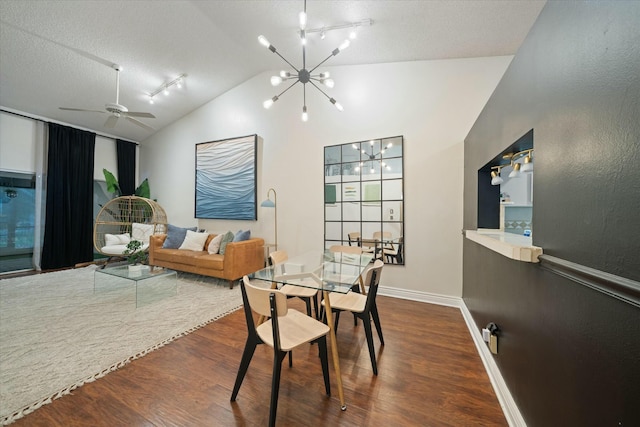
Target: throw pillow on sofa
[194, 241]
[242, 236]
[175, 236]
[214, 245]
[226, 239]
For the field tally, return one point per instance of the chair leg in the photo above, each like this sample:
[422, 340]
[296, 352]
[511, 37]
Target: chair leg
[307, 302]
[315, 306]
[275, 386]
[336, 321]
[322, 347]
[369, 334]
[376, 321]
[291, 358]
[249, 349]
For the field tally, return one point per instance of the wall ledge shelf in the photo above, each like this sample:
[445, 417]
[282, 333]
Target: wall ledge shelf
[514, 246]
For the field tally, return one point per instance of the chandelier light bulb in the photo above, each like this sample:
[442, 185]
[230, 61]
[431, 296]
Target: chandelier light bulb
[303, 20]
[305, 116]
[276, 80]
[371, 142]
[269, 102]
[353, 34]
[336, 103]
[151, 100]
[345, 44]
[303, 37]
[372, 170]
[263, 41]
[166, 90]
[179, 84]
[357, 168]
[328, 82]
[322, 35]
[324, 75]
[285, 74]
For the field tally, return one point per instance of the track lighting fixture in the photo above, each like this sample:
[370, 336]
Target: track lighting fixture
[525, 166]
[164, 88]
[304, 75]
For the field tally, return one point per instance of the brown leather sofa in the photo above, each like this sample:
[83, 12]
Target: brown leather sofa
[240, 258]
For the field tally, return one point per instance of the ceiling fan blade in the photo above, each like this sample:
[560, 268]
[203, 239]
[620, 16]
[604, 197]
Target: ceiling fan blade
[80, 109]
[139, 114]
[139, 123]
[111, 122]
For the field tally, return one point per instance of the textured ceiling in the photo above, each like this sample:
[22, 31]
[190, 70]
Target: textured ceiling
[58, 53]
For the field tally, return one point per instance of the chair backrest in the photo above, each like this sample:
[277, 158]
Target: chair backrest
[258, 299]
[278, 257]
[354, 237]
[372, 280]
[383, 235]
[346, 249]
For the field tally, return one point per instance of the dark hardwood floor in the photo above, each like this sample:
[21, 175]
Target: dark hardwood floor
[429, 375]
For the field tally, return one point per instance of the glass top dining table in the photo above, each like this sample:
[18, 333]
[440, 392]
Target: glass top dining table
[328, 271]
[323, 270]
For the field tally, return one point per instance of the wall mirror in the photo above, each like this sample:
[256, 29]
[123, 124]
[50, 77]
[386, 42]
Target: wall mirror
[363, 197]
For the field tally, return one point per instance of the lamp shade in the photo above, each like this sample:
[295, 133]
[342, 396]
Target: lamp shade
[527, 166]
[268, 204]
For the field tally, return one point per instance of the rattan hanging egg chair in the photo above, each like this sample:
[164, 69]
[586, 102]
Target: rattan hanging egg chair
[127, 218]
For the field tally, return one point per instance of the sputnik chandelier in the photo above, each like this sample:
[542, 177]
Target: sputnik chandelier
[371, 157]
[304, 75]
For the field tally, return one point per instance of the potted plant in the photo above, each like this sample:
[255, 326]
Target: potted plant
[135, 256]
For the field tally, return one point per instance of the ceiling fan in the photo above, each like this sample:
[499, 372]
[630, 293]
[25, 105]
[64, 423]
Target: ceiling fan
[117, 110]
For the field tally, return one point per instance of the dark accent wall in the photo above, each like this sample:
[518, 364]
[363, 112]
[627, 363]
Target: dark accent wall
[569, 354]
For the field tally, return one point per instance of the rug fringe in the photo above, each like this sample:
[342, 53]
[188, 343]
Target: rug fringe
[67, 390]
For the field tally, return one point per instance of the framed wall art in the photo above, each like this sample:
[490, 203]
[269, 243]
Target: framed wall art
[226, 176]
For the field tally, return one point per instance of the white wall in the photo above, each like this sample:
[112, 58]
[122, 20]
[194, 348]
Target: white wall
[432, 103]
[17, 143]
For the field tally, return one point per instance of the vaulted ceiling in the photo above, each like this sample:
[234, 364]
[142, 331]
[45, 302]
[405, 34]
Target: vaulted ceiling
[59, 52]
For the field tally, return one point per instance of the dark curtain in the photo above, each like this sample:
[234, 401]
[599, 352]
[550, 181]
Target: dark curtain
[126, 167]
[68, 233]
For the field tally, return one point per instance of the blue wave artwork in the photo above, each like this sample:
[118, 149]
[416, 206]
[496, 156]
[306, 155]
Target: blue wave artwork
[226, 179]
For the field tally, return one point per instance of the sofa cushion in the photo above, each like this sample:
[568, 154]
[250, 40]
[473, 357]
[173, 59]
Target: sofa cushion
[226, 239]
[214, 245]
[175, 236]
[212, 261]
[116, 239]
[242, 236]
[194, 241]
[141, 232]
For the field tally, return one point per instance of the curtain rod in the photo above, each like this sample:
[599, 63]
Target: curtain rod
[45, 121]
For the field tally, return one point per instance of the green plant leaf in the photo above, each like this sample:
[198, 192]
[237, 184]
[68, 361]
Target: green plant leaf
[143, 189]
[112, 182]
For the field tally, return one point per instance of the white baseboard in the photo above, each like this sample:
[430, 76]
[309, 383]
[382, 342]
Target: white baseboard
[508, 405]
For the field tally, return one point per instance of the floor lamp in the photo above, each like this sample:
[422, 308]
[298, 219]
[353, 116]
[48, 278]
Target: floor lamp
[272, 204]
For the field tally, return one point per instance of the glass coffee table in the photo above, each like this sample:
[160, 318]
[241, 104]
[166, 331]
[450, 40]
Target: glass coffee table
[150, 286]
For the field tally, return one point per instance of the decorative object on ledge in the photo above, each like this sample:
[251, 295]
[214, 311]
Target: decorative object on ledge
[226, 175]
[272, 204]
[305, 75]
[164, 88]
[526, 166]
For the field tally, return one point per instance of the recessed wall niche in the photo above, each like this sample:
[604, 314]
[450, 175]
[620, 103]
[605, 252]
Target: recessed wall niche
[364, 202]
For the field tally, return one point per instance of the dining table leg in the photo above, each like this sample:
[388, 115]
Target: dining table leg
[334, 349]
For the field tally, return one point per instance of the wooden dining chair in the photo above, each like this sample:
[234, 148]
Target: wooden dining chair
[381, 246]
[306, 294]
[286, 329]
[363, 307]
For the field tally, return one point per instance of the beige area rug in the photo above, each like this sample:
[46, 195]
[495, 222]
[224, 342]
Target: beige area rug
[57, 333]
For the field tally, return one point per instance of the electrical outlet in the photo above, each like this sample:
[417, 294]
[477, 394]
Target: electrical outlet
[486, 333]
[493, 344]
